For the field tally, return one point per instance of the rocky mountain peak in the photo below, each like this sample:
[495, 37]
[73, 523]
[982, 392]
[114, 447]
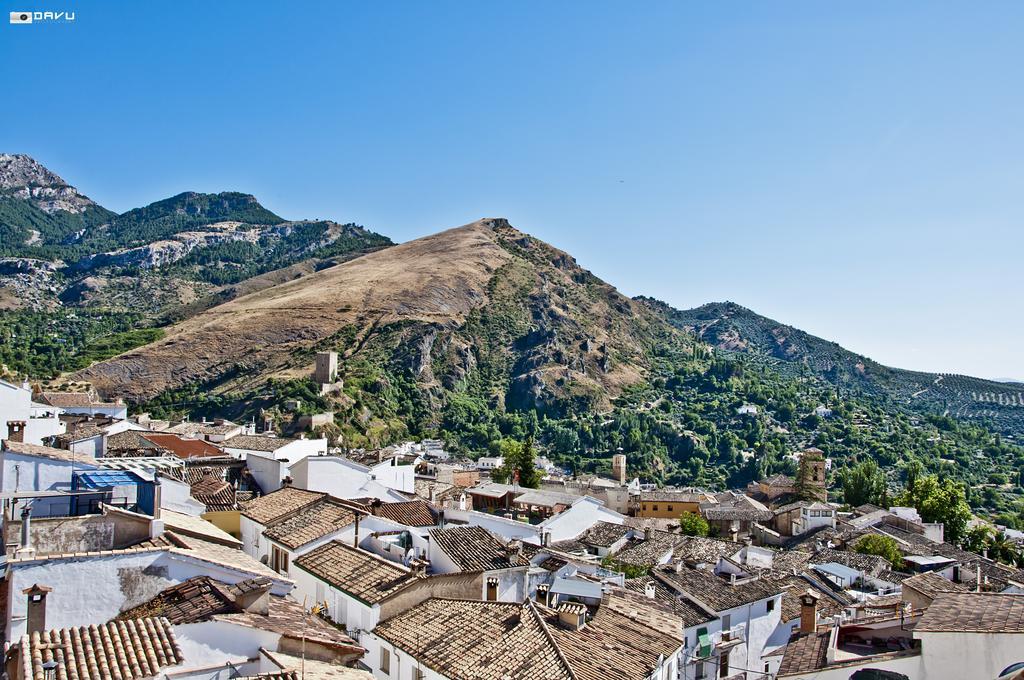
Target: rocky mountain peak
[24, 177]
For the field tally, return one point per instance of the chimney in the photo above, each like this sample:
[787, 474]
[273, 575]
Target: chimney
[286, 482]
[732, 579]
[253, 595]
[545, 538]
[572, 615]
[37, 608]
[809, 612]
[514, 549]
[648, 533]
[433, 494]
[25, 548]
[16, 430]
[650, 591]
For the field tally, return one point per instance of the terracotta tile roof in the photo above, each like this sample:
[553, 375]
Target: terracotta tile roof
[869, 564]
[277, 504]
[71, 399]
[183, 448]
[215, 493]
[185, 526]
[286, 617]
[701, 550]
[79, 433]
[931, 584]
[805, 653]
[130, 440]
[194, 600]
[320, 519]
[670, 496]
[415, 513]
[64, 455]
[472, 640]
[298, 668]
[128, 650]
[792, 585]
[611, 646]
[603, 534]
[703, 586]
[199, 427]
[690, 613]
[974, 612]
[363, 575]
[648, 552]
[257, 442]
[474, 548]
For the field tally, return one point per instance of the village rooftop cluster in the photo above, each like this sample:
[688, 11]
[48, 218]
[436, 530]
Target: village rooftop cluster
[137, 548]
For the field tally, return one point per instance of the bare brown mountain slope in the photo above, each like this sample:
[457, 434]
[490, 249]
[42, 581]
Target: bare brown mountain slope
[438, 279]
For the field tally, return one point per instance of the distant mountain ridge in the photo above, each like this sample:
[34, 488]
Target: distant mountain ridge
[733, 328]
[59, 248]
[471, 335]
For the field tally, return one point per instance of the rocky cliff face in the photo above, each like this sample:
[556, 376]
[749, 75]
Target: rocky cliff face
[23, 177]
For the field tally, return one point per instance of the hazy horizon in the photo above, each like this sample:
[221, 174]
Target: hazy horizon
[854, 172]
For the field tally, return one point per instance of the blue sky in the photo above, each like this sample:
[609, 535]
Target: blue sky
[853, 169]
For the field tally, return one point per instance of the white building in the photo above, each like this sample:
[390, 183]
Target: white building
[348, 583]
[270, 458]
[504, 566]
[34, 422]
[29, 467]
[746, 611]
[85, 403]
[490, 462]
[344, 478]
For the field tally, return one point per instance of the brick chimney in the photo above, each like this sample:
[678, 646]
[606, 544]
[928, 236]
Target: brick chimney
[16, 430]
[37, 608]
[809, 611]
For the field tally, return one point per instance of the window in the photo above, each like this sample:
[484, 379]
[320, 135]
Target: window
[701, 673]
[385, 661]
[769, 606]
[654, 507]
[727, 622]
[492, 589]
[279, 560]
[670, 508]
[723, 666]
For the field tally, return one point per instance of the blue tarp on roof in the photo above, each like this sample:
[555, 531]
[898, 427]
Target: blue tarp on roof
[106, 479]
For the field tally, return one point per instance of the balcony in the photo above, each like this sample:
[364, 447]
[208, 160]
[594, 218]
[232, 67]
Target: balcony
[726, 639]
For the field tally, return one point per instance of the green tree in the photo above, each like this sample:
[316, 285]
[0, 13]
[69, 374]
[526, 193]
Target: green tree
[864, 483]
[883, 546]
[692, 524]
[940, 501]
[519, 462]
[976, 538]
[1003, 549]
